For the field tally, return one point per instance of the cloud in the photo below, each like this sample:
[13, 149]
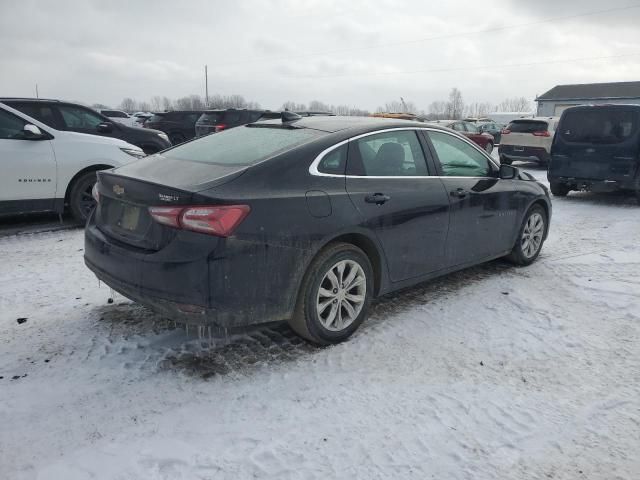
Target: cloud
[355, 53]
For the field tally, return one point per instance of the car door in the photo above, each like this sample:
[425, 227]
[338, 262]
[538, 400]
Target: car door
[389, 184]
[483, 207]
[27, 168]
[84, 120]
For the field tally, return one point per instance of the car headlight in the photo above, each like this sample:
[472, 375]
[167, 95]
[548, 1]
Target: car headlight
[164, 136]
[134, 152]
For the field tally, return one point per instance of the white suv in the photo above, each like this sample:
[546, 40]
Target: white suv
[44, 169]
[528, 139]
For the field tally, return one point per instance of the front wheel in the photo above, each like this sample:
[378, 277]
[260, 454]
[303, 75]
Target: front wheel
[530, 237]
[335, 295]
[81, 202]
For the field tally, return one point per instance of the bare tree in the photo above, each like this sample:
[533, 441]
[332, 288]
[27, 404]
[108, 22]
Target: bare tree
[128, 105]
[437, 110]
[156, 103]
[99, 106]
[515, 104]
[455, 106]
[293, 106]
[144, 106]
[167, 104]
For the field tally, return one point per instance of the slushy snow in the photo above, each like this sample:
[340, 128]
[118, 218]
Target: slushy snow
[495, 372]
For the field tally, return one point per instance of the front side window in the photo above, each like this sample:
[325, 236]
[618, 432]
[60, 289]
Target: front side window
[457, 158]
[458, 127]
[79, 118]
[601, 126]
[11, 127]
[335, 161]
[389, 154]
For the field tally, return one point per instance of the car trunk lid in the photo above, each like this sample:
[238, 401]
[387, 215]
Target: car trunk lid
[127, 193]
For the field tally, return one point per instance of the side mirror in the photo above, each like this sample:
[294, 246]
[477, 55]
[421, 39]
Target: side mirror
[508, 172]
[31, 132]
[104, 127]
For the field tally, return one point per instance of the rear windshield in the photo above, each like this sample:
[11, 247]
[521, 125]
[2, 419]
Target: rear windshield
[242, 146]
[527, 126]
[598, 126]
[209, 118]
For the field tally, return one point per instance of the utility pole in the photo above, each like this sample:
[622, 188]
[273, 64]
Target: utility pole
[37, 96]
[206, 87]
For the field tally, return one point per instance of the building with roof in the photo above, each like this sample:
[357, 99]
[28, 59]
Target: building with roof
[560, 97]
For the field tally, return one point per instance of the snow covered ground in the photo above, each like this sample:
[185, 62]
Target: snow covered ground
[492, 373]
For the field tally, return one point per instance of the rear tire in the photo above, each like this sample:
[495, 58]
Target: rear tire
[505, 160]
[559, 189]
[81, 202]
[328, 309]
[530, 237]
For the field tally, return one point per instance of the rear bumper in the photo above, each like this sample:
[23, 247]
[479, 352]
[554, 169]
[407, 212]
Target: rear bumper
[536, 154]
[200, 280]
[591, 185]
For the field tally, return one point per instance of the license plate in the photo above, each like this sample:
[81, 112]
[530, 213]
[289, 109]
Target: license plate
[518, 149]
[130, 217]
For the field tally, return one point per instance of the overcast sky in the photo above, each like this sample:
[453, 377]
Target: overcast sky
[357, 52]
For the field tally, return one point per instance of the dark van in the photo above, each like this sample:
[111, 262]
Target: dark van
[596, 147]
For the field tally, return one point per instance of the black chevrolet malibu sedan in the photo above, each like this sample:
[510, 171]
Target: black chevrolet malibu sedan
[307, 220]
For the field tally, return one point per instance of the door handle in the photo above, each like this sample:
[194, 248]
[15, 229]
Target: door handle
[377, 198]
[459, 192]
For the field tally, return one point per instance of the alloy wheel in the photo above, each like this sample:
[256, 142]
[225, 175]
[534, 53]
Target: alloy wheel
[341, 295]
[532, 235]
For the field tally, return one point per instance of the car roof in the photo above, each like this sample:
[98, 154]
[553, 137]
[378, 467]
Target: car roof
[332, 124]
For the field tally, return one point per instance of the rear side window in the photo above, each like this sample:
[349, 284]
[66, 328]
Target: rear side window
[44, 113]
[388, 154]
[527, 126]
[242, 146]
[600, 126]
[335, 161]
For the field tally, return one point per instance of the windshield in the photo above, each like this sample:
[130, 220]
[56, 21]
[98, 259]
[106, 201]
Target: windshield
[241, 146]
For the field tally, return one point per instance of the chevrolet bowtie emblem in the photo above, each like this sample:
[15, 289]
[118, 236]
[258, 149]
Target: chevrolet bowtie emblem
[118, 190]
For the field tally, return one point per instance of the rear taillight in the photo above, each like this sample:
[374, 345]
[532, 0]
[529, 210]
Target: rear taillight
[95, 193]
[219, 127]
[542, 134]
[505, 131]
[219, 220]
